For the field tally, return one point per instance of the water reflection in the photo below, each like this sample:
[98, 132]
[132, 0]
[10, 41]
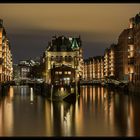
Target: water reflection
[6, 114]
[107, 113]
[59, 117]
[98, 112]
[31, 95]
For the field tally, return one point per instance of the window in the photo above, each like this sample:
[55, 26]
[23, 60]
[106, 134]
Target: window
[61, 58]
[60, 72]
[65, 72]
[52, 58]
[69, 72]
[56, 72]
[66, 58]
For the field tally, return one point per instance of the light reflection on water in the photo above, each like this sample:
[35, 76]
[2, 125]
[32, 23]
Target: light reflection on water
[98, 112]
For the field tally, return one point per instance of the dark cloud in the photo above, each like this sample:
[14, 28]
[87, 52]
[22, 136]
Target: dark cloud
[31, 26]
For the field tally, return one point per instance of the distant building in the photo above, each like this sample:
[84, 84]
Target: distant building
[66, 52]
[87, 74]
[25, 67]
[94, 68]
[109, 62]
[16, 72]
[28, 69]
[6, 63]
[36, 68]
[85, 69]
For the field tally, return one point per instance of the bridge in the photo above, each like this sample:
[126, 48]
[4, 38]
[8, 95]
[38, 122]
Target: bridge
[105, 81]
[22, 82]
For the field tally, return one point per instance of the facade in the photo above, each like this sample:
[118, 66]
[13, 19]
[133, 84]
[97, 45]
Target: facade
[128, 52]
[94, 68]
[27, 69]
[62, 75]
[24, 68]
[16, 72]
[137, 56]
[106, 63]
[134, 55]
[36, 68]
[6, 64]
[87, 73]
[98, 67]
[131, 57]
[109, 62]
[122, 56]
[128, 55]
[85, 69]
[63, 51]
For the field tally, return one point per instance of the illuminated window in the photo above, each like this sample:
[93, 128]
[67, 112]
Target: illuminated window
[60, 72]
[56, 72]
[65, 72]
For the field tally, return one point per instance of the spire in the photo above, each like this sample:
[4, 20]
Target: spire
[74, 44]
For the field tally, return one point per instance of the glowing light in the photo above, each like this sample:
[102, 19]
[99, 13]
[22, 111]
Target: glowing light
[31, 95]
[62, 89]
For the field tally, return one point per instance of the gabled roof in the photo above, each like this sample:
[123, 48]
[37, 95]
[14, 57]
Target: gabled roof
[62, 43]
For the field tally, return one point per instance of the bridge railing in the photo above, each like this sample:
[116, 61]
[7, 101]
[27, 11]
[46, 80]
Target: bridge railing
[103, 81]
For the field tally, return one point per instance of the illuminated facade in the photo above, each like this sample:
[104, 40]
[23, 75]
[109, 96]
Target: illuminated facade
[85, 69]
[94, 68]
[6, 65]
[24, 68]
[137, 56]
[106, 63]
[133, 49]
[27, 69]
[88, 63]
[100, 67]
[109, 62]
[122, 56]
[63, 51]
[128, 51]
[134, 53]
[131, 57]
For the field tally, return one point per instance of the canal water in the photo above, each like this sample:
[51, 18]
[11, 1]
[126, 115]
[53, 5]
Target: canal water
[97, 112]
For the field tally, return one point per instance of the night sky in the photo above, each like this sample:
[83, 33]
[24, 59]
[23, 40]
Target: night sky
[29, 27]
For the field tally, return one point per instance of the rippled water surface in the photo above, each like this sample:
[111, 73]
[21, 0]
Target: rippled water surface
[97, 112]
